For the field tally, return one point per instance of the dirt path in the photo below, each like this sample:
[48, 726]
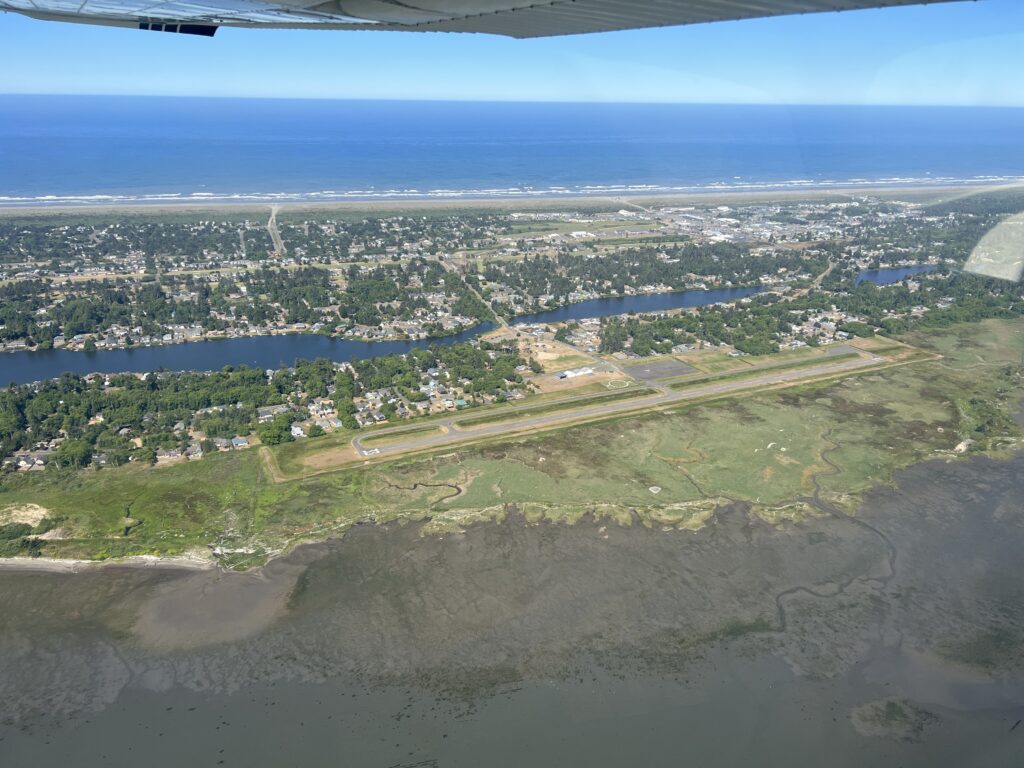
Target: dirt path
[273, 468]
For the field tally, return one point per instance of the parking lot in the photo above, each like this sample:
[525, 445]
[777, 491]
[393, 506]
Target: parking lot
[664, 368]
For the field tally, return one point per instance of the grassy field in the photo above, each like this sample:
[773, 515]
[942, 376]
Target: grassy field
[564, 362]
[539, 410]
[774, 367]
[291, 457]
[665, 469]
[715, 362]
[405, 434]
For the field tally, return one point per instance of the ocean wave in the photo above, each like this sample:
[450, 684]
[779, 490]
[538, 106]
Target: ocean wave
[581, 190]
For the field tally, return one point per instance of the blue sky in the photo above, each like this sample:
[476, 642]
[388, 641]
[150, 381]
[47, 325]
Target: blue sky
[965, 53]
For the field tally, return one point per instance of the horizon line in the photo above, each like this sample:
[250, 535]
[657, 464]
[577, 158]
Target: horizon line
[512, 101]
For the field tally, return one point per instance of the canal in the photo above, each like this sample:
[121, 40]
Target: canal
[274, 351]
[891, 275]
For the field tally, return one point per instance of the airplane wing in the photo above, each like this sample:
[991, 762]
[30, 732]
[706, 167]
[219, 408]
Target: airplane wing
[514, 18]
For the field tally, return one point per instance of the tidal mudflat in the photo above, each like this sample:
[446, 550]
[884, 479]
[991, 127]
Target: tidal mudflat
[891, 637]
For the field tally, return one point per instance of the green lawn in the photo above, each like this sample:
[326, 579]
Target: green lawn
[291, 456]
[564, 362]
[715, 362]
[749, 373]
[539, 410]
[393, 437]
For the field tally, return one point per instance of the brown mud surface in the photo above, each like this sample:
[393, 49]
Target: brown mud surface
[897, 634]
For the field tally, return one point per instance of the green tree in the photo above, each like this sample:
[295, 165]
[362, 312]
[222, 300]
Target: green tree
[73, 453]
[276, 432]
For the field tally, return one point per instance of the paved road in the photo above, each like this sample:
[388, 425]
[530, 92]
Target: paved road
[499, 320]
[821, 278]
[275, 235]
[661, 398]
[818, 280]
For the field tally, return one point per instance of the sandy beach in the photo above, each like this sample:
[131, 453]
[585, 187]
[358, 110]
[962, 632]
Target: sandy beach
[68, 565]
[917, 192]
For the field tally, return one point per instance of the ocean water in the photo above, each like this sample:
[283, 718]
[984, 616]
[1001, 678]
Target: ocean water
[107, 149]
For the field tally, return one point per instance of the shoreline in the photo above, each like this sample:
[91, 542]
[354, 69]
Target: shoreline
[515, 203]
[193, 655]
[465, 335]
[195, 564]
[200, 339]
[78, 565]
[429, 340]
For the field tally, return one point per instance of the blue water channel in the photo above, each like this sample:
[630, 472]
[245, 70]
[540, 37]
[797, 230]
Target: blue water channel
[274, 351]
[890, 275]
